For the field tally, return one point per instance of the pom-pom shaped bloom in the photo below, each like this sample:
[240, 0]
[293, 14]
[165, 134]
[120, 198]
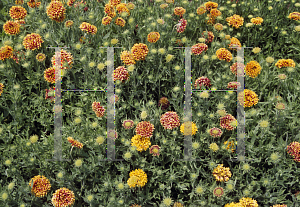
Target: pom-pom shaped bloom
[179, 11]
[11, 28]
[248, 97]
[49, 75]
[164, 103]
[88, 28]
[122, 8]
[63, 197]
[109, 10]
[253, 69]
[65, 58]
[202, 81]
[285, 63]
[139, 51]
[222, 174]
[128, 124]
[154, 150]
[70, 2]
[32, 41]
[120, 21]
[215, 132]
[294, 16]
[145, 129]
[170, 120]
[235, 66]
[121, 73]
[235, 21]
[181, 26]
[137, 178]
[293, 149]
[114, 2]
[224, 54]
[209, 36]
[106, 20]
[215, 13]
[56, 11]
[201, 10]
[6, 52]
[248, 202]
[75, 142]
[141, 143]
[19, 2]
[210, 5]
[234, 42]
[98, 109]
[233, 85]
[17, 12]
[188, 128]
[257, 20]
[127, 58]
[225, 122]
[197, 49]
[40, 185]
[153, 37]
[33, 3]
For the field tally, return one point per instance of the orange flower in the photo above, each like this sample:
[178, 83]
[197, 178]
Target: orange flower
[70, 2]
[1, 88]
[11, 28]
[75, 142]
[224, 54]
[248, 97]
[235, 66]
[106, 20]
[234, 42]
[293, 149]
[6, 52]
[109, 10]
[56, 11]
[122, 8]
[170, 120]
[201, 10]
[69, 23]
[202, 81]
[88, 28]
[209, 36]
[98, 109]
[253, 69]
[120, 21]
[179, 11]
[294, 16]
[285, 63]
[19, 2]
[225, 122]
[127, 58]
[215, 13]
[32, 41]
[33, 3]
[17, 12]
[63, 197]
[139, 51]
[257, 20]
[221, 173]
[114, 2]
[210, 5]
[235, 21]
[40, 185]
[153, 37]
[49, 75]
[197, 49]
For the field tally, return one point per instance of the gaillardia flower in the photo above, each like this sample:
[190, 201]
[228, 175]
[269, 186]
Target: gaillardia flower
[218, 191]
[209, 36]
[137, 178]
[1, 88]
[49, 75]
[40, 185]
[197, 49]
[164, 103]
[154, 150]
[11, 28]
[63, 197]
[224, 54]
[248, 97]
[233, 85]
[106, 20]
[181, 26]
[215, 132]
[188, 128]
[153, 37]
[17, 12]
[293, 149]
[109, 10]
[120, 22]
[248, 202]
[202, 81]
[139, 51]
[234, 42]
[65, 57]
[75, 142]
[201, 10]
[222, 174]
[210, 5]
[127, 58]
[40, 57]
[56, 11]
[127, 124]
[235, 21]
[257, 20]
[33, 3]
[225, 122]
[6, 52]
[141, 143]
[235, 66]
[145, 129]
[87, 27]
[253, 69]
[32, 41]
[170, 120]
[294, 16]
[179, 11]
[120, 73]
[285, 63]
[98, 109]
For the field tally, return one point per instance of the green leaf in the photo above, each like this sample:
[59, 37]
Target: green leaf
[106, 36]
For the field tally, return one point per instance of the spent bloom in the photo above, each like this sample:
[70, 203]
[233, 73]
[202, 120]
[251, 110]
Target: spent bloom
[164, 103]
[280, 106]
[40, 185]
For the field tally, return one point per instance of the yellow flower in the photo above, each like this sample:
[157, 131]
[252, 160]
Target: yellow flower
[264, 123]
[169, 57]
[114, 41]
[269, 59]
[214, 147]
[34, 139]
[204, 94]
[144, 115]
[137, 178]
[190, 130]
[78, 163]
[256, 50]
[253, 69]
[167, 201]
